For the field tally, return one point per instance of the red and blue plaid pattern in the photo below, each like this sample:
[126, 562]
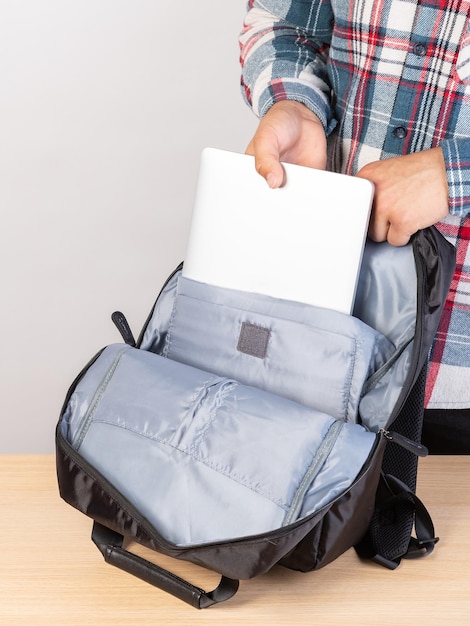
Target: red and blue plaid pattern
[386, 77]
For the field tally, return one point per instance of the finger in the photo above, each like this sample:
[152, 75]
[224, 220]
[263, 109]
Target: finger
[267, 161]
[378, 227]
[397, 237]
[383, 230]
[272, 171]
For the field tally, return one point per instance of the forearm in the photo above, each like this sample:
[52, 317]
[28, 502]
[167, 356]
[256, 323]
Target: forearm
[286, 61]
[457, 160]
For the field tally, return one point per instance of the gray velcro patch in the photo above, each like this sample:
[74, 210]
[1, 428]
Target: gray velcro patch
[253, 340]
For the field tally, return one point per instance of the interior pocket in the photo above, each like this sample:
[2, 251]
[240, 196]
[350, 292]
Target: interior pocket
[314, 356]
[205, 458]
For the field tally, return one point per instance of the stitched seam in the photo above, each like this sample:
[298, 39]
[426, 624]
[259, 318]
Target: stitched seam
[88, 417]
[197, 457]
[167, 346]
[321, 455]
[349, 379]
[223, 392]
[307, 324]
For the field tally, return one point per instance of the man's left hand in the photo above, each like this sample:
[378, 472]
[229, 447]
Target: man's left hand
[410, 193]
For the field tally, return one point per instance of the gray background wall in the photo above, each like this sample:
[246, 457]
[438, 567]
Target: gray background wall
[105, 106]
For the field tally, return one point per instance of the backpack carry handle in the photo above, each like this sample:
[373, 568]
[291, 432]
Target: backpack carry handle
[110, 543]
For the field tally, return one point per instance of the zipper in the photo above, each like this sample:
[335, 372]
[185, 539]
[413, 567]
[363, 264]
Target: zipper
[377, 376]
[147, 321]
[88, 417]
[415, 366]
[408, 444]
[312, 472]
[124, 328]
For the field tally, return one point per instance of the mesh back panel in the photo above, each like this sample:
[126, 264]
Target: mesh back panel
[392, 524]
[409, 423]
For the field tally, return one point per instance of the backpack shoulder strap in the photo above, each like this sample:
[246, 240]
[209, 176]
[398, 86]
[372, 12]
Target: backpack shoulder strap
[388, 539]
[397, 509]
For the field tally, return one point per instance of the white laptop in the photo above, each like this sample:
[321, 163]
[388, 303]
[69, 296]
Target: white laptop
[302, 242]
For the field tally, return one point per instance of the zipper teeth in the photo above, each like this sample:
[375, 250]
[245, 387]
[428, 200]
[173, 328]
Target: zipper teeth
[140, 338]
[319, 459]
[418, 336]
[377, 376]
[88, 417]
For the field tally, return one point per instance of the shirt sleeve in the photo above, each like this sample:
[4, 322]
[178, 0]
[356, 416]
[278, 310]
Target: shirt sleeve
[457, 159]
[284, 51]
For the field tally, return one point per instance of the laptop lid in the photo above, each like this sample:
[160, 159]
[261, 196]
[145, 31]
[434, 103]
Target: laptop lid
[302, 242]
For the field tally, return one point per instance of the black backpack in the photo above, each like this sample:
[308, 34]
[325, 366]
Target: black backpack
[240, 431]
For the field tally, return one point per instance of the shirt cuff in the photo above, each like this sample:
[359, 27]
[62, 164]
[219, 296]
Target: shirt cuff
[457, 160]
[278, 90]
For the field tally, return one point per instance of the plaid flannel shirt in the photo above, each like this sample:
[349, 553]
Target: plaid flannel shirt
[386, 77]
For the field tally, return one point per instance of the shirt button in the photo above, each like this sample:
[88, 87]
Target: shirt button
[400, 132]
[419, 49]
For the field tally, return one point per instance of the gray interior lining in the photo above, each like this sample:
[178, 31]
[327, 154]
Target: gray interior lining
[231, 460]
[385, 302]
[317, 357]
[240, 409]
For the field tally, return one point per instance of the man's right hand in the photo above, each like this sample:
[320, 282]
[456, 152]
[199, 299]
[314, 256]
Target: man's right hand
[289, 132]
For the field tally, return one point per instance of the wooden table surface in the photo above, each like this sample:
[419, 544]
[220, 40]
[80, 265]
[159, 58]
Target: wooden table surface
[51, 573]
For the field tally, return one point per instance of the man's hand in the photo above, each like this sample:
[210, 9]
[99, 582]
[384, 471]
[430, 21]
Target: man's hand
[410, 193]
[289, 132]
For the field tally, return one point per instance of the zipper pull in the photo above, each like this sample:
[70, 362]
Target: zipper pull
[404, 442]
[123, 327]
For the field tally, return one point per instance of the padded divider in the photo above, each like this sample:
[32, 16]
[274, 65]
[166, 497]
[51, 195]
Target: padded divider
[205, 458]
[318, 357]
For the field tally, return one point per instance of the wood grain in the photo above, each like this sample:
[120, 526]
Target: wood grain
[51, 573]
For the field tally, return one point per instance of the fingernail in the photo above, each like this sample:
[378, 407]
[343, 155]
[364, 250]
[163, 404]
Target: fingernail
[271, 180]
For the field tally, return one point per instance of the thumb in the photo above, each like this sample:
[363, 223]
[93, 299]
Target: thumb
[267, 163]
[272, 171]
